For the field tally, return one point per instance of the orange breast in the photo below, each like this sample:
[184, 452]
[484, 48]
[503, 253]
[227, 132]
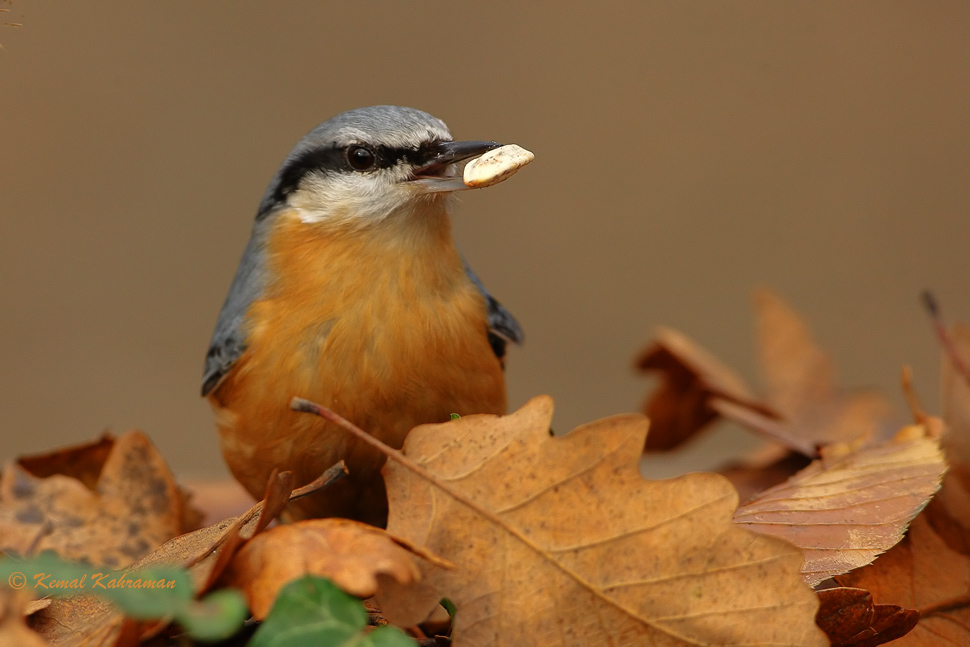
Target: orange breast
[380, 324]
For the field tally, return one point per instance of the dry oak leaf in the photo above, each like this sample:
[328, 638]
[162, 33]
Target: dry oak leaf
[922, 573]
[560, 541]
[13, 631]
[850, 619]
[690, 378]
[109, 516]
[349, 553]
[800, 385]
[852, 504]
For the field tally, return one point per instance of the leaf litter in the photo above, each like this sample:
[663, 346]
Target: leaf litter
[537, 539]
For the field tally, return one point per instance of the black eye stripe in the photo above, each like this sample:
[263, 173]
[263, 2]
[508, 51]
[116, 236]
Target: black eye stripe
[334, 159]
[390, 157]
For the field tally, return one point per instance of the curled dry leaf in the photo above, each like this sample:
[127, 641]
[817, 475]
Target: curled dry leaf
[559, 540]
[851, 505]
[109, 516]
[850, 619]
[36, 605]
[349, 553]
[690, 378]
[82, 462]
[13, 631]
[800, 384]
[922, 573]
[802, 408]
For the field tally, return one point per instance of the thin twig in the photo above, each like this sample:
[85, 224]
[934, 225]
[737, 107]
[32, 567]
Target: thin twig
[332, 475]
[305, 406]
[328, 478]
[933, 308]
[912, 397]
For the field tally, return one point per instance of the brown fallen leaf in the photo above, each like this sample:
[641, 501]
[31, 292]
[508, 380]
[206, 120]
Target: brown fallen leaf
[949, 511]
[89, 620]
[349, 553]
[690, 378]
[560, 540]
[922, 573]
[83, 462]
[800, 385]
[108, 517]
[36, 605]
[850, 619]
[852, 504]
[762, 469]
[92, 621]
[802, 408]
[956, 404]
[13, 631]
[82, 620]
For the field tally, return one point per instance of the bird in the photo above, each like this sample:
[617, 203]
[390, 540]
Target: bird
[352, 293]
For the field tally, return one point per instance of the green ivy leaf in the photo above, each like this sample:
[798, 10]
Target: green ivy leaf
[313, 611]
[216, 616]
[449, 607]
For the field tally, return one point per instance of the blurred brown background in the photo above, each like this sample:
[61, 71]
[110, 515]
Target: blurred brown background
[685, 153]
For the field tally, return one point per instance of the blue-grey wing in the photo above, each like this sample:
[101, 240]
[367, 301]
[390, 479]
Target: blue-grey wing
[229, 339]
[502, 326]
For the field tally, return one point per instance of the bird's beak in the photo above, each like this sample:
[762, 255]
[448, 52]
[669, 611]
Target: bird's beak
[440, 173]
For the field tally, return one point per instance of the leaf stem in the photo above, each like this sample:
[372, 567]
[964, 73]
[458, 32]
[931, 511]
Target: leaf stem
[306, 406]
[933, 308]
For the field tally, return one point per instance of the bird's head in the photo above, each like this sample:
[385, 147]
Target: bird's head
[364, 165]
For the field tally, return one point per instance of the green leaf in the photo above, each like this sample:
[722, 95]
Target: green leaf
[312, 611]
[455, 416]
[216, 616]
[449, 607]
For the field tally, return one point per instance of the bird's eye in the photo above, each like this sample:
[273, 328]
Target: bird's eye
[361, 158]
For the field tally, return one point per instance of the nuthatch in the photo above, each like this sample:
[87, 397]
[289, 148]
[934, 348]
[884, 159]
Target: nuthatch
[351, 293]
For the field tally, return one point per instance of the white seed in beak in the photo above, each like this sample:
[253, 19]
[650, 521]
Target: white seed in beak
[497, 165]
